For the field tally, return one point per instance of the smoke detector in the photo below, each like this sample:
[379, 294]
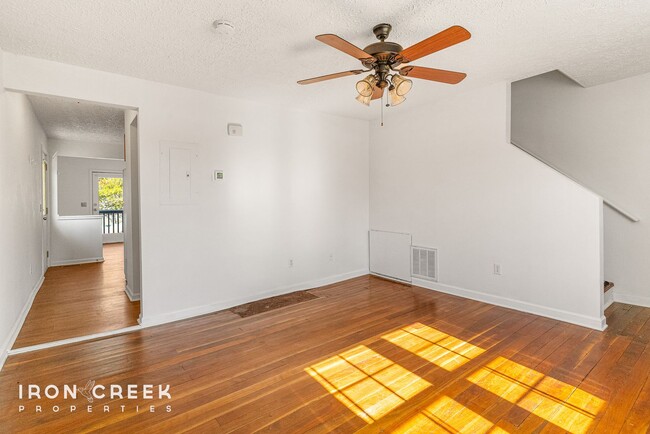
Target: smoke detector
[223, 27]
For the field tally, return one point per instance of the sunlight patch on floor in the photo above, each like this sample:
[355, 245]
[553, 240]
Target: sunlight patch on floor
[371, 385]
[446, 415]
[566, 406]
[366, 382]
[441, 349]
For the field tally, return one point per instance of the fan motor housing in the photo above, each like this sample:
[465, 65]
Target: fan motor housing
[383, 47]
[385, 52]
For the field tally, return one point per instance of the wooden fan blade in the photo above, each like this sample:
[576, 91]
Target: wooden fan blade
[437, 42]
[343, 45]
[378, 93]
[331, 76]
[450, 77]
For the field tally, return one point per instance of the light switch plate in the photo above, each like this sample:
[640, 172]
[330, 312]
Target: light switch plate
[235, 130]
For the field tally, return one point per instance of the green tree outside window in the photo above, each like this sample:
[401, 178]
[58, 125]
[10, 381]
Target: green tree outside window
[111, 194]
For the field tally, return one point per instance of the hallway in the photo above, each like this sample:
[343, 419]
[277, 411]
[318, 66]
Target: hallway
[79, 300]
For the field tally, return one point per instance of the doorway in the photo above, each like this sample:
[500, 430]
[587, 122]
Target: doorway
[108, 202]
[90, 221]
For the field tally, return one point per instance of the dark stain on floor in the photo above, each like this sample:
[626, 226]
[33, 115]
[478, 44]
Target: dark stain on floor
[266, 304]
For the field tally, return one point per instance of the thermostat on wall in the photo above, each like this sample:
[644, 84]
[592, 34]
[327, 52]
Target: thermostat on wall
[235, 130]
[217, 175]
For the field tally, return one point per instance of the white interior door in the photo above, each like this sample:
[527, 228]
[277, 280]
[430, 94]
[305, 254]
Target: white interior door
[108, 201]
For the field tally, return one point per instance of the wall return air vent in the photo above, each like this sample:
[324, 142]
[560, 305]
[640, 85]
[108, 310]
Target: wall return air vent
[424, 263]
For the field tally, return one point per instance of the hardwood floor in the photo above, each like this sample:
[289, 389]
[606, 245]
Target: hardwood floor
[367, 355]
[79, 300]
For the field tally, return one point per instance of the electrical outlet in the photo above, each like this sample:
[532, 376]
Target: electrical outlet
[497, 269]
[290, 263]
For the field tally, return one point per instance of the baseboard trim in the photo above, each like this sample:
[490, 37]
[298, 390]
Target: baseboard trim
[74, 340]
[203, 310]
[76, 261]
[637, 300]
[129, 293]
[179, 315]
[11, 339]
[392, 279]
[558, 314]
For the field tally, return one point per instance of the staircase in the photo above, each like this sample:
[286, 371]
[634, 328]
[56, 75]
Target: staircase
[596, 137]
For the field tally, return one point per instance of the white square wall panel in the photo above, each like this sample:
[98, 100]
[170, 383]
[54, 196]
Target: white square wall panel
[390, 255]
[179, 173]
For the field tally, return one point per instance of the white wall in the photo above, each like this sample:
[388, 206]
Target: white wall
[601, 137]
[447, 174]
[74, 183]
[74, 148]
[295, 187]
[21, 142]
[76, 234]
[76, 240]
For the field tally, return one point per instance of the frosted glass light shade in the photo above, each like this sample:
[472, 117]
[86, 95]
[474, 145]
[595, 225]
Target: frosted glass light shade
[366, 86]
[402, 85]
[395, 99]
[365, 100]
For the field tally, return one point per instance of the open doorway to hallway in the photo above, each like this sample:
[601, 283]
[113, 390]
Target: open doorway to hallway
[108, 202]
[90, 214]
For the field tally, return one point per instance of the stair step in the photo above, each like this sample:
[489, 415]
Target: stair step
[607, 286]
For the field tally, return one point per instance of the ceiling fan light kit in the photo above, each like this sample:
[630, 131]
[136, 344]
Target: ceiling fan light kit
[383, 59]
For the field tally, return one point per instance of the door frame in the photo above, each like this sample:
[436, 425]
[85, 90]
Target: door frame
[52, 181]
[45, 209]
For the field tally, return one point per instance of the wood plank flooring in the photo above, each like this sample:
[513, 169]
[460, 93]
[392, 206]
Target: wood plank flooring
[79, 300]
[367, 355]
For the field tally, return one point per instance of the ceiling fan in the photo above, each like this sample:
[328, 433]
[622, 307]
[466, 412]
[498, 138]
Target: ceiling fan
[383, 58]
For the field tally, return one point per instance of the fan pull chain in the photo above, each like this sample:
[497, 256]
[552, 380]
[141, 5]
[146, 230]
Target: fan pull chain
[382, 109]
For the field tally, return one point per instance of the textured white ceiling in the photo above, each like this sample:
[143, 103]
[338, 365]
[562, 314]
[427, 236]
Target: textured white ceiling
[78, 120]
[172, 41]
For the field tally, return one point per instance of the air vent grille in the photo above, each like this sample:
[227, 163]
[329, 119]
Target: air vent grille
[424, 263]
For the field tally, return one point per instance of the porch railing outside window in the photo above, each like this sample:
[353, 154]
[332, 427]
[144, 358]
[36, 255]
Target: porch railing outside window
[112, 221]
